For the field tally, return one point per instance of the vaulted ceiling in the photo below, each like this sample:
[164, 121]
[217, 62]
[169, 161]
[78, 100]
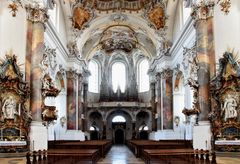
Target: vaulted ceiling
[119, 25]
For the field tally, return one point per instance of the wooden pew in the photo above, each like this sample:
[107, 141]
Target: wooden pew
[166, 155]
[63, 156]
[102, 145]
[137, 146]
[181, 156]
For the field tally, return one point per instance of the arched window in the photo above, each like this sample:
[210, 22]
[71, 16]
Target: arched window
[118, 76]
[118, 119]
[143, 76]
[93, 81]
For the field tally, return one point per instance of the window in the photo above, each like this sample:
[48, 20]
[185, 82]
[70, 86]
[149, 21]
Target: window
[118, 119]
[93, 78]
[143, 76]
[118, 76]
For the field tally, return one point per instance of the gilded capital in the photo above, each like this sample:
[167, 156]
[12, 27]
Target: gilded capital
[35, 13]
[202, 10]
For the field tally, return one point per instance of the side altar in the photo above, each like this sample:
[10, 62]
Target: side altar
[225, 115]
[15, 115]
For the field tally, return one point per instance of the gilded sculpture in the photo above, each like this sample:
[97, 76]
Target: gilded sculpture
[157, 17]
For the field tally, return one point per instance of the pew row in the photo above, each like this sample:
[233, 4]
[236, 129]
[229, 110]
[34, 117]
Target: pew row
[63, 156]
[102, 145]
[137, 146]
[181, 156]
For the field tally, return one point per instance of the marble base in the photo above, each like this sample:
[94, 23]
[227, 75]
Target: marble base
[202, 136]
[38, 136]
[58, 132]
[177, 133]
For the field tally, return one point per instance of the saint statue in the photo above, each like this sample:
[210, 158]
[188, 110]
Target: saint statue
[9, 107]
[230, 107]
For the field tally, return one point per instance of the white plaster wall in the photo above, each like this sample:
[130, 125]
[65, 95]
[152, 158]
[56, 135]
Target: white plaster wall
[61, 26]
[13, 32]
[177, 21]
[227, 29]
[178, 105]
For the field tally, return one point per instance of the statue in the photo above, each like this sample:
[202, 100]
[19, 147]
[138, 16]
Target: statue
[229, 107]
[9, 107]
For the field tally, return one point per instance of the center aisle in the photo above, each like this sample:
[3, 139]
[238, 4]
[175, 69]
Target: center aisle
[120, 154]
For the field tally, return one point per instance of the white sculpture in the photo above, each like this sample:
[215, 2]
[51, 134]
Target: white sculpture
[9, 107]
[230, 107]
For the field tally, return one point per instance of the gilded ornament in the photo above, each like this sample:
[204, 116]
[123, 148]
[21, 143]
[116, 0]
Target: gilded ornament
[225, 5]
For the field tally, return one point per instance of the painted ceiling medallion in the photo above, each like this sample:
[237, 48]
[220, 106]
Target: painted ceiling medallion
[81, 16]
[118, 38]
[157, 17]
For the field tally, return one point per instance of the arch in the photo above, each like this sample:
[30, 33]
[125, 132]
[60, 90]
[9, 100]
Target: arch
[140, 28]
[96, 122]
[118, 118]
[112, 111]
[111, 127]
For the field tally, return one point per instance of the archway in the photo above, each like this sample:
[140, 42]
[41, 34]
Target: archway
[142, 124]
[118, 118]
[94, 133]
[95, 125]
[119, 136]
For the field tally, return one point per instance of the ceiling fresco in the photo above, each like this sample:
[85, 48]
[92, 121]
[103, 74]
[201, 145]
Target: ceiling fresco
[117, 25]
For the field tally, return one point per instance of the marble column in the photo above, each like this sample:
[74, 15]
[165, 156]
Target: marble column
[167, 98]
[80, 105]
[203, 16]
[153, 105]
[104, 133]
[37, 17]
[158, 99]
[133, 129]
[85, 91]
[71, 100]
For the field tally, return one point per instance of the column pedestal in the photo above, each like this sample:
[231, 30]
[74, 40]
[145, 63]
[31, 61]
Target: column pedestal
[38, 136]
[202, 136]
